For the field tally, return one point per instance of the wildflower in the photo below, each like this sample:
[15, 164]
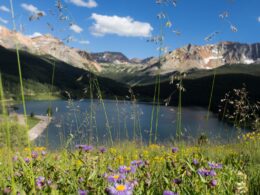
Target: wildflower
[120, 189]
[195, 162]
[154, 146]
[82, 192]
[134, 183]
[79, 163]
[113, 151]
[81, 180]
[206, 172]
[213, 182]
[168, 192]
[212, 173]
[7, 190]
[40, 182]
[174, 149]
[215, 165]
[34, 154]
[43, 153]
[27, 160]
[26, 149]
[88, 148]
[49, 182]
[177, 181]
[15, 158]
[137, 163]
[103, 150]
[125, 169]
[39, 149]
[85, 148]
[115, 178]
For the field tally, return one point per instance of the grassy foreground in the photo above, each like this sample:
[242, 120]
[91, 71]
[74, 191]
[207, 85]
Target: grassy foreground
[128, 168]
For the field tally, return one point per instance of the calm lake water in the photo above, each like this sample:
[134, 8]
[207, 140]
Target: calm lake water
[86, 121]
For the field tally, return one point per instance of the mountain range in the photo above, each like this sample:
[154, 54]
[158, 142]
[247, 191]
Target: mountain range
[117, 73]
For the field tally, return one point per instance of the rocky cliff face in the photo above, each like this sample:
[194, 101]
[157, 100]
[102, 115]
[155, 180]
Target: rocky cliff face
[46, 45]
[210, 56]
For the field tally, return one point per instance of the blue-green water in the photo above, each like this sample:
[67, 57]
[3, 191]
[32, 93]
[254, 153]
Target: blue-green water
[126, 121]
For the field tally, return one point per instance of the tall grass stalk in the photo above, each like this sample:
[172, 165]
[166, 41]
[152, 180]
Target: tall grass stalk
[118, 121]
[31, 174]
[105, 112]
[7, 133]
[211, 94]
[179, 112]
[156, 98]
[50, 101]
[91, 111]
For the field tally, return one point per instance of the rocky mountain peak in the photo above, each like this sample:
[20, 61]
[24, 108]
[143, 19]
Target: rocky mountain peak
[110, 57]
[45, 45]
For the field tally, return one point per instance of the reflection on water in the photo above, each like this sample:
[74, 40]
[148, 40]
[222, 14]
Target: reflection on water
[86, 122]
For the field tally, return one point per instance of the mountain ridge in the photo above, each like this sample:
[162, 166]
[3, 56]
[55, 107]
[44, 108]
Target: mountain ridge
[117, 66]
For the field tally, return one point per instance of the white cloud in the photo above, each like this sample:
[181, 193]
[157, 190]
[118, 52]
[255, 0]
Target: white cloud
[82, 3]
[32, 9]
[36, 34]
[258, 19]
[84, 42]
[121, 26]
[3, 21]
[76, 28]
[4, 8]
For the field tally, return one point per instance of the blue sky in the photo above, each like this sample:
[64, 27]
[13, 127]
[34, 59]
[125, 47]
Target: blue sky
[125, 25]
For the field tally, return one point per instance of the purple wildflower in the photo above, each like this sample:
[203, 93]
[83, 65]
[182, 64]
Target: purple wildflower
[40, 182]
[195, 162]
[27, 160]
[212, 173]
[15, 158]
[34, 154]
[177, 181]
[175, 149]
[206, 172]
[7, 190]
[85, 148]
[102, 150]
[88, 148]
[213, 182]
[215, 165]
[115, 178]
[168, 192]
[125, 169]
[82, 192]
[137, 163]
[120, 189]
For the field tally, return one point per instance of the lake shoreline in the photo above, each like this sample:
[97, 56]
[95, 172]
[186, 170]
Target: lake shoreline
[38, 129]
[35, 131]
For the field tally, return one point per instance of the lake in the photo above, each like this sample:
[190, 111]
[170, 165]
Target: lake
[87, 121]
